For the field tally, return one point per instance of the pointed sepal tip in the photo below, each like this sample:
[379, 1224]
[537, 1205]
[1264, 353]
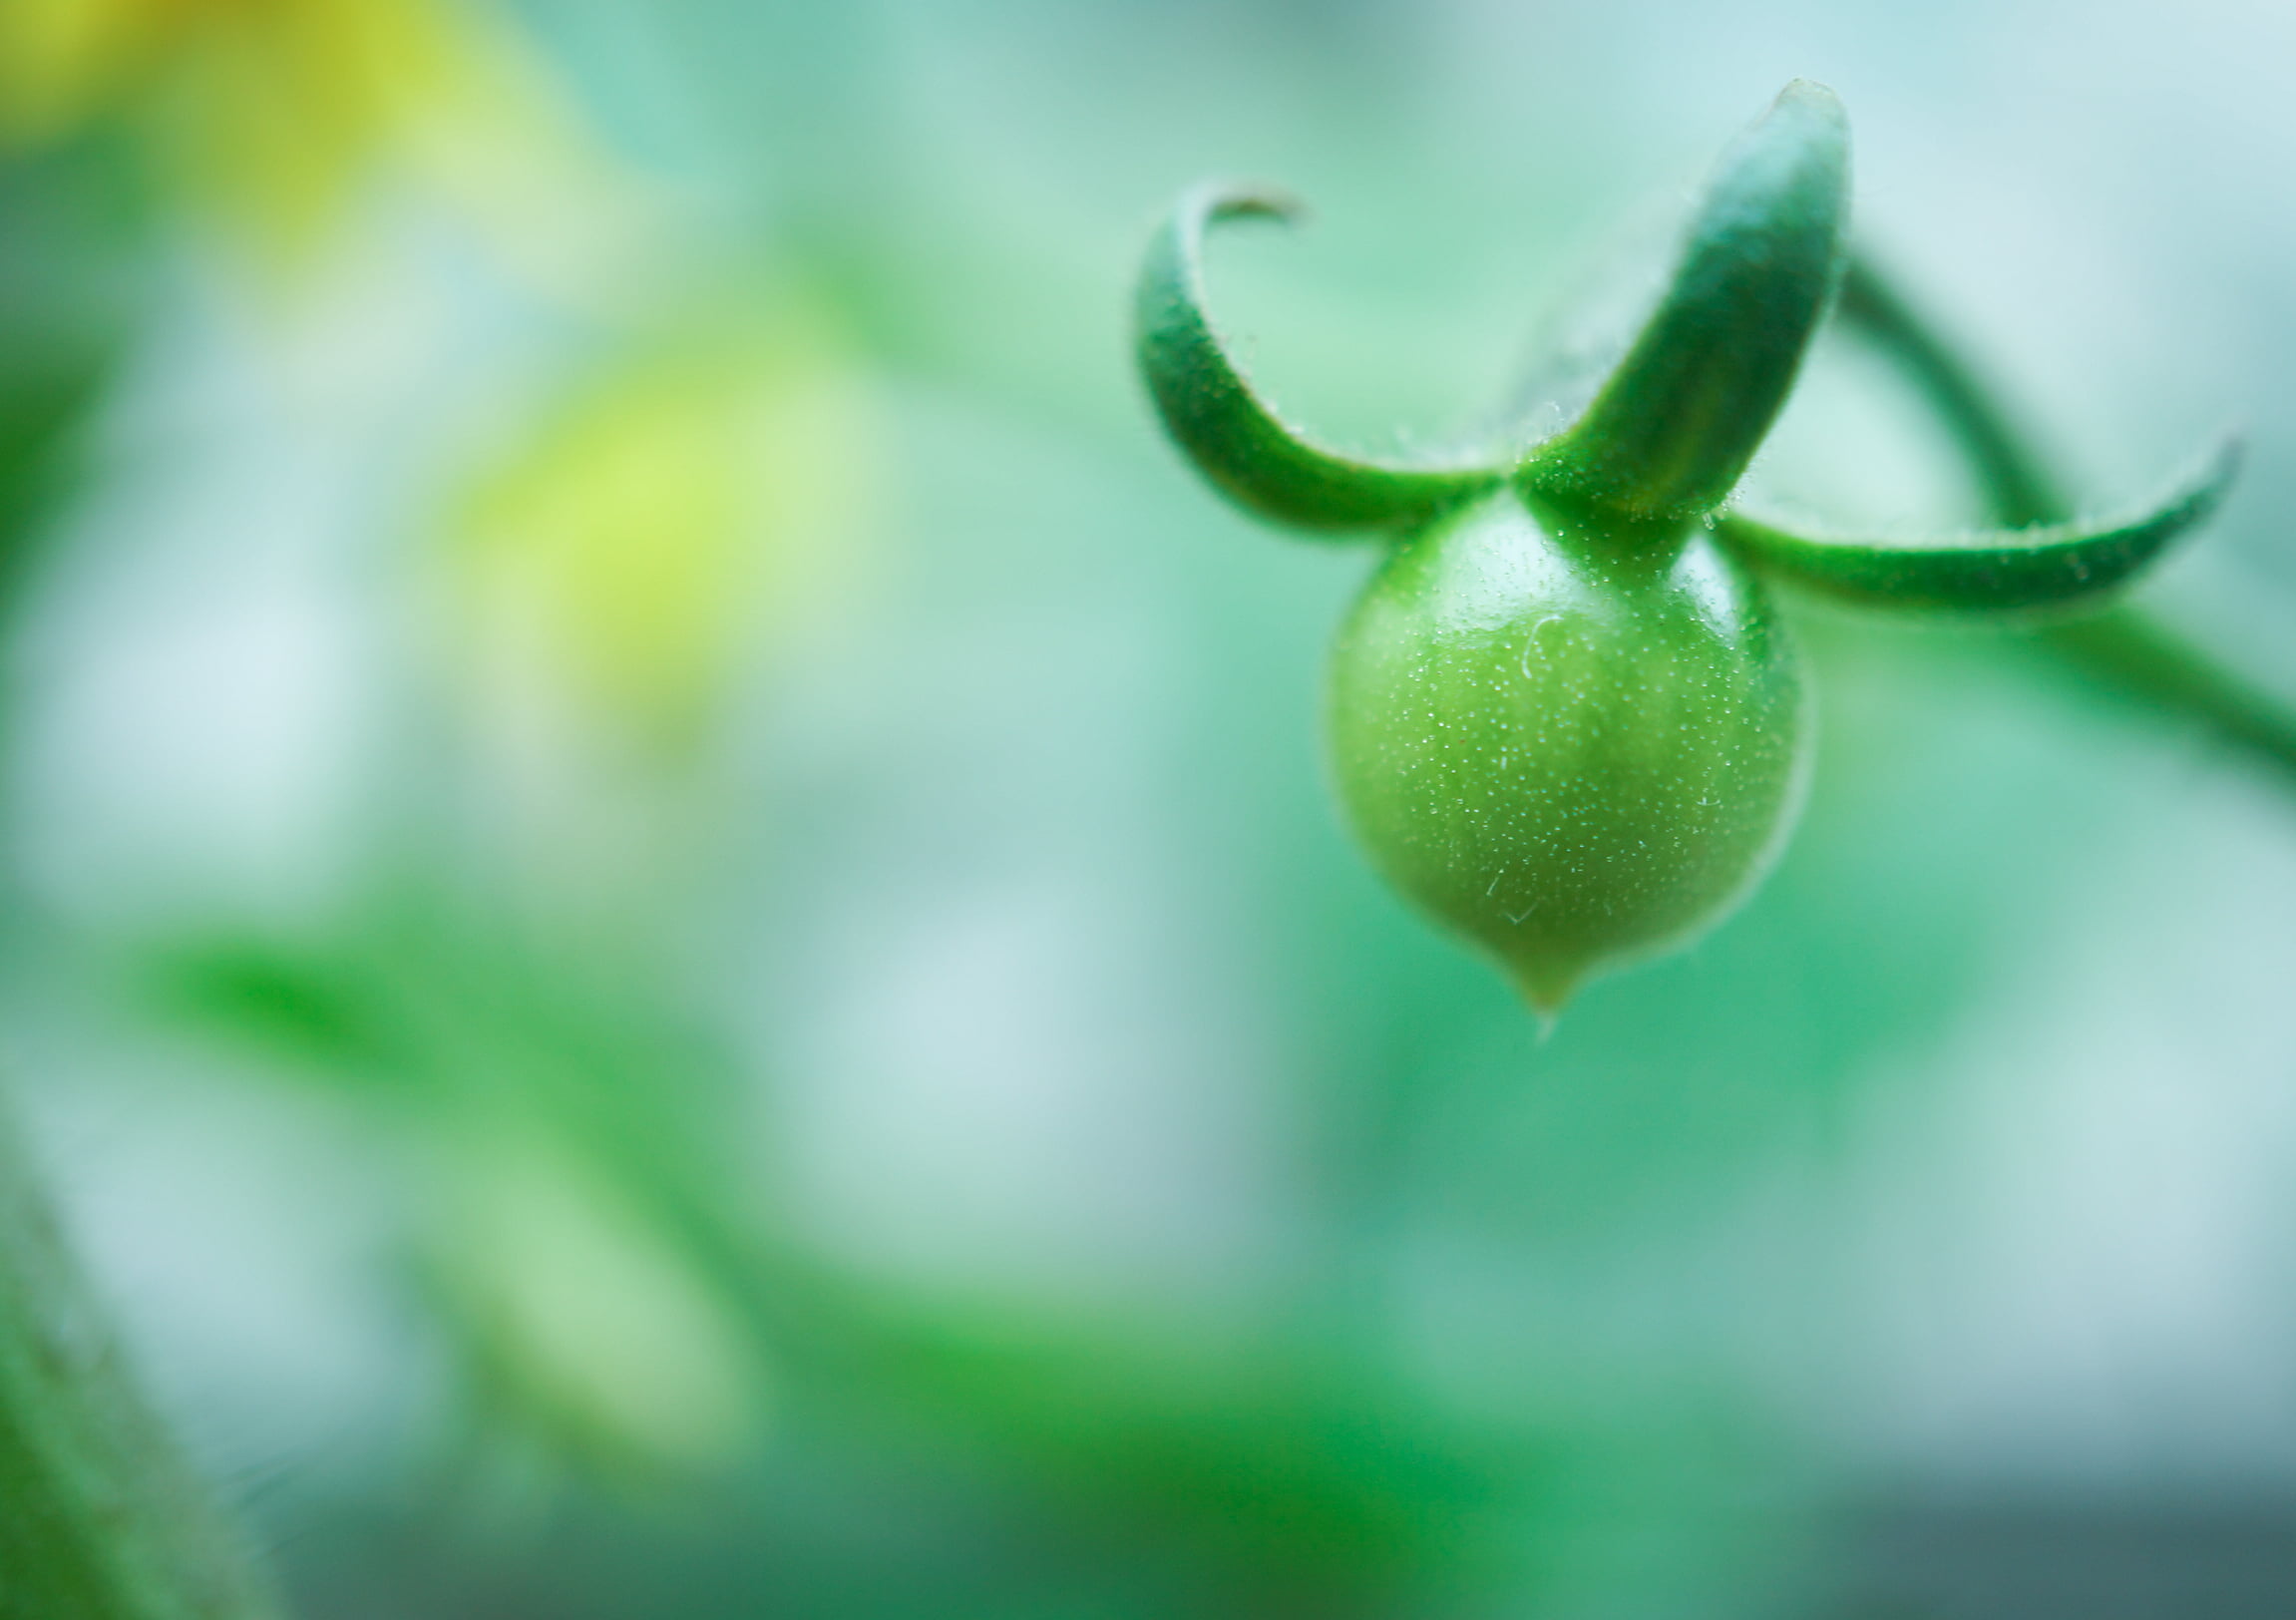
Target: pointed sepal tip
[1234, 437]
[1674, 426]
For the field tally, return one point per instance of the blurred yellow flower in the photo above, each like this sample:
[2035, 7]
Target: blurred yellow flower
[281, 113]
[697, 488]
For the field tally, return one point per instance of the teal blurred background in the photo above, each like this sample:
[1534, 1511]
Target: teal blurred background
[673, 929]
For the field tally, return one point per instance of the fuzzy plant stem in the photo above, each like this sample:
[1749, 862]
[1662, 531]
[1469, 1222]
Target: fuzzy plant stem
[2125, 650]
[100, 1517]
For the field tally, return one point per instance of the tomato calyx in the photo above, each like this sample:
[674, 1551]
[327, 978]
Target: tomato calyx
[1672, 431]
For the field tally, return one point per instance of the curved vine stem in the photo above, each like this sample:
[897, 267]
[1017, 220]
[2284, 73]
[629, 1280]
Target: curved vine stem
[2123, 648]
[2018, 486]
[100, 1518]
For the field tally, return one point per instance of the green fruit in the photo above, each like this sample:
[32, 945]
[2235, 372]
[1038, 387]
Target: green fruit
[1564, 717]
[1576, 751]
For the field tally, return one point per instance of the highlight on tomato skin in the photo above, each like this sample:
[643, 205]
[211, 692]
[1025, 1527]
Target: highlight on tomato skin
[1577, 755]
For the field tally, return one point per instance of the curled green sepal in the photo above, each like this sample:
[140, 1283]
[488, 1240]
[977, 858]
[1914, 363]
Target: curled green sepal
[1673, 429]
[1227, 430]
[1998, 571]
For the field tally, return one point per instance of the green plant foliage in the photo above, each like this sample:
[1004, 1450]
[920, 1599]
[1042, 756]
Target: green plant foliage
[832, 1044]
[98, 1517]
[69, 223]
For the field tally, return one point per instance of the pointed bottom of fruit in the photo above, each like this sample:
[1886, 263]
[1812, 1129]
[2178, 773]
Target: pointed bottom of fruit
[1547, 987]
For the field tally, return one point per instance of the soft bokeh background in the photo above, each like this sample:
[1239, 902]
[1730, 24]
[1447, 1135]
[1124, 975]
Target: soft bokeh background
[672, 928]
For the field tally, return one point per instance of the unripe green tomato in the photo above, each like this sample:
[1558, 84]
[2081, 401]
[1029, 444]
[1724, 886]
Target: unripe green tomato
[1564, 716]
[1570, 743]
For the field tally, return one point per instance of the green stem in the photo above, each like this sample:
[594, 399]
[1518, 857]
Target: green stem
[2124, 650]
[100, 1518]
[2134, 655]
[2019, 489]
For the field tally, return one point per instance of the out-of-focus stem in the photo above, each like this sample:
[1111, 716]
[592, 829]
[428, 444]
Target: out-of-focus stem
[2124, 650]
[100, 1518]
[2137, 655]
[2018, 486]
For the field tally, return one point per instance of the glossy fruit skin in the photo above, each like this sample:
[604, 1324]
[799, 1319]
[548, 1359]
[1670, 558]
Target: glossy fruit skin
[1576, 744]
